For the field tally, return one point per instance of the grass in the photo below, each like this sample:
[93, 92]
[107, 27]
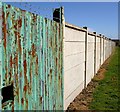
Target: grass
[106, 95]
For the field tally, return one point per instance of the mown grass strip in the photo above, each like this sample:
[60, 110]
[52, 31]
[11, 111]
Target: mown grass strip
[106, 95]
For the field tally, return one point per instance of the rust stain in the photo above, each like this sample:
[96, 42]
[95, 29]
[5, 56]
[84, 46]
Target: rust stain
[56, 61]
[34, 18]
[26, 84]
[33, 50]
[12, 106]
[26, 103]
[59, 77]
[37, 60]
[16, 91]
[20, 74]
[50, 71]
[37, 65]
[29, 52]
[41, 99]
[50, 74]
[30, 73]
[19, 44]
[9, 6]
[20, 23]
[24, 10]
[22, 101]
[11, 61]
[4, 31]
[16, 61]
[29, 88]
[15, 24]
[25, 88]
[30, 84]
[17, 34]
[25, 67]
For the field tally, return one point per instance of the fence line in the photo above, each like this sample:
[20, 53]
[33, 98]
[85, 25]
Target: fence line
[35, 51]
[95, 49]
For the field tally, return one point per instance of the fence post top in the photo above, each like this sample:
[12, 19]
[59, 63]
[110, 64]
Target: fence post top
[62, 7]
[106, 38]
[95, 32]
[85, 27]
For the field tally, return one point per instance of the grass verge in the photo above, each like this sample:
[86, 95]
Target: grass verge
[106, 95]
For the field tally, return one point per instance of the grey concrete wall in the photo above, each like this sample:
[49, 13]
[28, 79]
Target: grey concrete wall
[74, 62]
[83, 56]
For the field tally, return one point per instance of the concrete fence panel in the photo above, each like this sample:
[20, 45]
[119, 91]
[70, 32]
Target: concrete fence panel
[74, 63]
[102, 51]
[90, 58]
[97, 53]
[84, 53]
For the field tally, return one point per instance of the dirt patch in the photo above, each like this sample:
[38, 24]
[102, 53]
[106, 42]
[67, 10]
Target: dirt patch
[100, 75]
[82, 101]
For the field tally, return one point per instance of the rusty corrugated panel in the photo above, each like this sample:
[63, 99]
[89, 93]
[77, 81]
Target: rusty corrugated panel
[32, 53]
[0, 53]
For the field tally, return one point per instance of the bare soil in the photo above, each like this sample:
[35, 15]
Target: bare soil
[82, 101]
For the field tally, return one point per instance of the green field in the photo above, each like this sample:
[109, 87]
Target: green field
[106, 95]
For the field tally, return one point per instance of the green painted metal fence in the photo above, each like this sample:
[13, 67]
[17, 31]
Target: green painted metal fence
[32, 60]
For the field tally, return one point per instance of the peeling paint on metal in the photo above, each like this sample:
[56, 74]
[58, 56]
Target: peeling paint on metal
[32, 60]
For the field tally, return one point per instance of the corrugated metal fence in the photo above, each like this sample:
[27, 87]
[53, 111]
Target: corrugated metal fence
[31, 61]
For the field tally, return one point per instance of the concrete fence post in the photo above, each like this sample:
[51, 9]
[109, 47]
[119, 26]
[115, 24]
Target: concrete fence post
[63, 47]
[110, 45]
[100, 48]
[103, 48]
[95, 53]
[86, 42]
